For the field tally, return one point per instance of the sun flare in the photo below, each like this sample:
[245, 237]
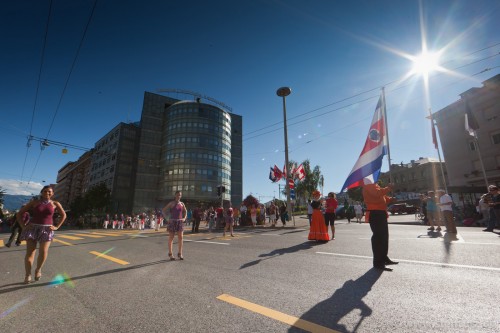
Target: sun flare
[426, 63]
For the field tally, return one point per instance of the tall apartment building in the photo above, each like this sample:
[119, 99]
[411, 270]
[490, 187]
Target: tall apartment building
[114, 163]
[462, 153]
[73, 180]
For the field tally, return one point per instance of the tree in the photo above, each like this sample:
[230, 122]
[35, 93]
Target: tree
[356, 194]
[2, 193]
[78, 207]
[98, 197]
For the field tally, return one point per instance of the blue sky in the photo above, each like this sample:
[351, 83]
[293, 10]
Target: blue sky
[334, 55]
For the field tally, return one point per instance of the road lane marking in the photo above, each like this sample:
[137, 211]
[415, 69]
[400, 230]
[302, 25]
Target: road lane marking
[89, 235]
[105, 256]
[69, 237]
[208, 242]
[495, 269]
[276, 315]
[62, 242]
[105, 234]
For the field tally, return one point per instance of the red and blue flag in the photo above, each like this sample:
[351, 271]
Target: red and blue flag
[370, 160]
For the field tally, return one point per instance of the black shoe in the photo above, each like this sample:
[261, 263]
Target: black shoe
[390, 262]
[487, 229]
[383, 268]
[18, 243]
[7, 244]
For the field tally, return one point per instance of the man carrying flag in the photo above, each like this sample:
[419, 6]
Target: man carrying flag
[365, 173]
[376, 200]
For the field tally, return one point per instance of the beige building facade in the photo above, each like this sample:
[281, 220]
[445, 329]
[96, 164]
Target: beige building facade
[467, 156]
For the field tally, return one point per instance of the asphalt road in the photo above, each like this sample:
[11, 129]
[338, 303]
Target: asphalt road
[262, 280]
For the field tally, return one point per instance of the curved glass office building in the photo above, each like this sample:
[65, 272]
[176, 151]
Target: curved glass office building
[196, 151]
[187, 146]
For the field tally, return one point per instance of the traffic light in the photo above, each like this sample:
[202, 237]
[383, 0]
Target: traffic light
[220, 189]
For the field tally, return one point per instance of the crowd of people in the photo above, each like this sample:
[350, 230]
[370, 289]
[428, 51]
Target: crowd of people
[36, 221]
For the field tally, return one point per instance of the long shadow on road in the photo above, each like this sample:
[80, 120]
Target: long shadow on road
[278, 252]
[17, 286]
[347, 298]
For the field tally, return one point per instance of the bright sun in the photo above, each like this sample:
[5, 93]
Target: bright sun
[425, 63]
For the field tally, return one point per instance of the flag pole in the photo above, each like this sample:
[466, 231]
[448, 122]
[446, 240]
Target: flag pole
[476, 142]
[472, 126]
[439, 152]
[387, 135]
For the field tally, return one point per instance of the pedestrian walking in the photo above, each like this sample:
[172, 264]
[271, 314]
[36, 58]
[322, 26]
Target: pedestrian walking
[196, 215]
[330, 207]
[376, 200]
[106, 221]
[494, 204]
[445, 205]
[432, 212]
[228, 216]
[39, 230]
[358, 210]
[16, 228]
[283, 214]
[309, 211]
[177, 213]
[272, 214]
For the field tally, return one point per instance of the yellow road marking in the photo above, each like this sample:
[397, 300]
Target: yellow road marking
[69, 237]
[105, 256]
[2, 244]
[273, 314]
[62, 242]
[89, 235]
[105, 234]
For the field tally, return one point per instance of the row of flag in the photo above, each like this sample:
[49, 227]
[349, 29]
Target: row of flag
[276, 174]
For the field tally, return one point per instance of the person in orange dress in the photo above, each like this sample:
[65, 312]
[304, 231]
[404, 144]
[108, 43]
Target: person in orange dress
[318, 230]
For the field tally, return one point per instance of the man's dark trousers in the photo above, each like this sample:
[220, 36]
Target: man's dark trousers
[380, 237]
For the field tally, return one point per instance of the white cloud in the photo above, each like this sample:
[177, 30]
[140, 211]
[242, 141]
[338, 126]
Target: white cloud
[15, 187]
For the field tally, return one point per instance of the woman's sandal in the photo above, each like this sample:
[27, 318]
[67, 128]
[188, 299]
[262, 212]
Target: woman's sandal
[180, 256]
[38, 276]
[27, 279]
[171, 256]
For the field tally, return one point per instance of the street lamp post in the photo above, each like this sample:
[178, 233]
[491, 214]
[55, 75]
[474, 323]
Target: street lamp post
[283, 92]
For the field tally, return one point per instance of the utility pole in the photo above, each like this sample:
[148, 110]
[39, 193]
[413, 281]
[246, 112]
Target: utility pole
[283, 92]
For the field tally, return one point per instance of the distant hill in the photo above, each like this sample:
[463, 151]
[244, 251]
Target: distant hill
[14, 202]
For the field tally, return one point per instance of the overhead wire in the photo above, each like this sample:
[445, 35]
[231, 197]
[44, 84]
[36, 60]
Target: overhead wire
[42, 60]
[368, 91]
[357, 102]
[66, 83]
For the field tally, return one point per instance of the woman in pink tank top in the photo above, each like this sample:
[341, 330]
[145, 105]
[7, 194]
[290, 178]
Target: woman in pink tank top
[40, 229]
[176, 213]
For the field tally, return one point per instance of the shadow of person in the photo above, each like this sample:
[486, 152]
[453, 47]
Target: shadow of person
[434, 234]
[347, 298]
[278, 252]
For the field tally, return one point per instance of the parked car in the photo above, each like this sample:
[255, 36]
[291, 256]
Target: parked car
[402, 208]
[340, 213]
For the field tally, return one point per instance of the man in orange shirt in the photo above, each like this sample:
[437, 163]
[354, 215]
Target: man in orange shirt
[376, 201]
